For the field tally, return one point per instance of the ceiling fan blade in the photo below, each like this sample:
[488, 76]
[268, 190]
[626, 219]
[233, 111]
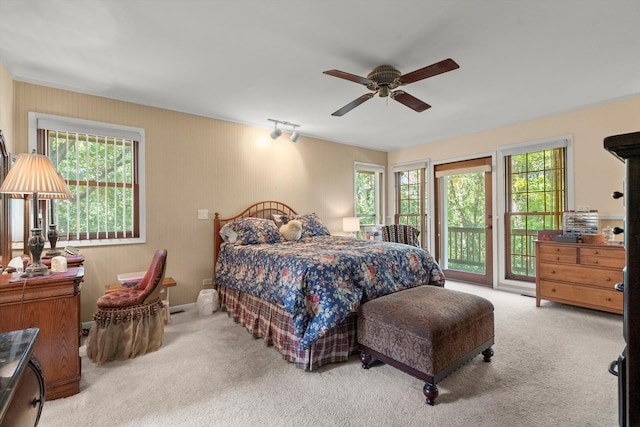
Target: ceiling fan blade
[429, 71]
[353, 104]
[348, 76]
[410, 101]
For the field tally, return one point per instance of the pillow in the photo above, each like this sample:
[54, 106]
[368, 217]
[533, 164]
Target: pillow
[227, 233]
[292, 230]
[253, 231]
[311, 225]
[278, 219]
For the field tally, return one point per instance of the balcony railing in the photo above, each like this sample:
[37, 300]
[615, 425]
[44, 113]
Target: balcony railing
[467, 250]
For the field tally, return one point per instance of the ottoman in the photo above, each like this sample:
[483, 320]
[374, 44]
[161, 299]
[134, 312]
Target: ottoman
[427, 332]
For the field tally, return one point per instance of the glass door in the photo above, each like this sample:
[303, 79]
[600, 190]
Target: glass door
[464, 219]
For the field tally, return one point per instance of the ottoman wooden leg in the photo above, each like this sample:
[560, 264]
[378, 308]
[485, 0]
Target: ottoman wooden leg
[431, 391]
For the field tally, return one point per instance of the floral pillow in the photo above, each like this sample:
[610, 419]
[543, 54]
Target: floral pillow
[311, 225]
[253, 231]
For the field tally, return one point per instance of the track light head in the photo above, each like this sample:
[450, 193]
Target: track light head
[276, 133]
[295, 135]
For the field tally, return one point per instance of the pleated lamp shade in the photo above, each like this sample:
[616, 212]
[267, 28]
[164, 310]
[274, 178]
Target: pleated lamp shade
[34, 173]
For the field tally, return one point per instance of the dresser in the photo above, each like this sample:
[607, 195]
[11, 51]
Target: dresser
[51, 304]
[579, 274]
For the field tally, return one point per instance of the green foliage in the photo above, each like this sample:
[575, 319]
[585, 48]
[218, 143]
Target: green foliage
[99, 172]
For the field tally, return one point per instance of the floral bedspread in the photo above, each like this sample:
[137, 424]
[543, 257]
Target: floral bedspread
[321, 280]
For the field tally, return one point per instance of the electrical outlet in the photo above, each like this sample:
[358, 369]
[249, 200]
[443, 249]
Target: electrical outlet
[203, 214]
[207, 282]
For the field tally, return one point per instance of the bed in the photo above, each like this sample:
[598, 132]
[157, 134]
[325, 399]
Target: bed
[302, 296]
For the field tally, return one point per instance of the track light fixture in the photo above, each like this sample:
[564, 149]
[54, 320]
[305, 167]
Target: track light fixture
[278, 132]
[295, 134]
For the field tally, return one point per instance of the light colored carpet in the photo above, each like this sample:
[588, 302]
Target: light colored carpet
[549, 369]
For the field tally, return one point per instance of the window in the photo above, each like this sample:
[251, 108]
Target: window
[411, 196]
[535, 198]
[103, 167]
[369, 191]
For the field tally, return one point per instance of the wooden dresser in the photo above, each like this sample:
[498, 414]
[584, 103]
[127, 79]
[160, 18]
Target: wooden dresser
[580, 274]
[51, 304]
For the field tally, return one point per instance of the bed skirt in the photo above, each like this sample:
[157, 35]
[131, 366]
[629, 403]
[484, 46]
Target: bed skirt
[273, 324]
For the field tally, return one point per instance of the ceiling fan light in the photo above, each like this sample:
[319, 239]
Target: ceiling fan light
[276, 133]
[294, 136]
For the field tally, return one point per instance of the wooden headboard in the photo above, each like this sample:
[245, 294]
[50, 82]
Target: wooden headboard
[257, 210]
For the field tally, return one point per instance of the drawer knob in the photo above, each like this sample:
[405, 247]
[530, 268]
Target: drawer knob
[596, 252]
[553, 272]
[553, 289]
[557, 258]
[595, 262]
[608, 299]
[608, 279]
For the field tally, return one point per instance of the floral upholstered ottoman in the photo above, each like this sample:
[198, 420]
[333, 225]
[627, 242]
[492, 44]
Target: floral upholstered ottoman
[427, 332]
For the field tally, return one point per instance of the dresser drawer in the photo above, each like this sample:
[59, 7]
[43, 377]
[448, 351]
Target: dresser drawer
[602, 257]
[603, 299]
[579, 275]
[555, 253]
[600, 251]
[601, 261]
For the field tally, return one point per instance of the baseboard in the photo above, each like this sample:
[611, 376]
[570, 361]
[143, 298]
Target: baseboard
[172, 310]
[180, 308]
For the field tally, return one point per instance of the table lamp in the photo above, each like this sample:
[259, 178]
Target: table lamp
[351, 225]
[34, 175]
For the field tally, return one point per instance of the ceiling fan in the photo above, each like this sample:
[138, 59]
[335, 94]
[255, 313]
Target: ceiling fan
[385, 78]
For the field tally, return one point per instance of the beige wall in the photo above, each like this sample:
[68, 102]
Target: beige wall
[596, 172]
[200, 163]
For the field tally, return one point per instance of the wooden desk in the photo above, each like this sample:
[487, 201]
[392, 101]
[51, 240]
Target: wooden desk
[52, 304]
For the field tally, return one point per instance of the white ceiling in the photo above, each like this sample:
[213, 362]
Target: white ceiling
[247, 61]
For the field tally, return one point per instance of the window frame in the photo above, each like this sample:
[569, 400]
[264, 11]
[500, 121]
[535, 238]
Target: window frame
[562, 141]
[53, 122]
[426, 204]
[379, 172]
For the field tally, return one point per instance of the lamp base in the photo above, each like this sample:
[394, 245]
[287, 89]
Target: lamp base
[52, 235]
[52, 253]
[36, 245]
[36, 271]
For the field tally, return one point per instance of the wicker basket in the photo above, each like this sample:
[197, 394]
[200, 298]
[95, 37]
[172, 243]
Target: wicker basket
[594, 239]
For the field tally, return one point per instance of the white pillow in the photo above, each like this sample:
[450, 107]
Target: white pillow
[227, 234]
[277, 218]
